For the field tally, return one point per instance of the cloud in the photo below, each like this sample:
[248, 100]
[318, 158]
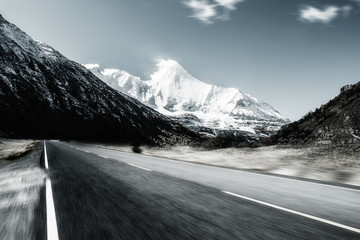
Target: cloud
[202, 10]
[312, 14]
[208, 11]
[325, 15]
[229, 4]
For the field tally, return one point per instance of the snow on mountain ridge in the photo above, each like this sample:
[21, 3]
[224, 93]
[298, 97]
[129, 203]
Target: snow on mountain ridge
[91, 65]
[174, 92]
[47, 49]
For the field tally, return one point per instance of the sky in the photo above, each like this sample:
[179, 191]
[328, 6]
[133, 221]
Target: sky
[293, 54]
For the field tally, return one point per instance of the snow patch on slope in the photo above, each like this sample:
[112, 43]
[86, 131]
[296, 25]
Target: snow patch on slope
[49, 51]
[38, 49]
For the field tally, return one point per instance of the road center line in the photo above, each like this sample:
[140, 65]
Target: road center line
[52, 231]
[102, 156]
[140, 167]
[296, 212]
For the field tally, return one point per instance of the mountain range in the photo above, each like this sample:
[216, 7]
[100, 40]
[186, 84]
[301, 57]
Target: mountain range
[45, 95]
[205, 108]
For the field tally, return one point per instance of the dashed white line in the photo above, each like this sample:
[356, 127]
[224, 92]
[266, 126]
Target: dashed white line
[102, 156]
[283, 177]
[296, 212]
[52, 231]
[140, 167]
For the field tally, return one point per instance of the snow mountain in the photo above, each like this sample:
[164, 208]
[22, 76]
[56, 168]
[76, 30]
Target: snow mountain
[203, 107]
[44, 95]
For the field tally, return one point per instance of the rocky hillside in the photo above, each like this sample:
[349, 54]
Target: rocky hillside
[45, 95]
[337, 122]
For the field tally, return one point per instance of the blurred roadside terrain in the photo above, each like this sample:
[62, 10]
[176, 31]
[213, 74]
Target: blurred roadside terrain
[322, 161]
[21, 183]
[12, 149]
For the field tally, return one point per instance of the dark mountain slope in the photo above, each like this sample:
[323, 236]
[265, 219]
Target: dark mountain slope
[338, 122]
[45, 95]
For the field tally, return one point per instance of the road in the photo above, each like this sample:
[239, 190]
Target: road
[106, 194]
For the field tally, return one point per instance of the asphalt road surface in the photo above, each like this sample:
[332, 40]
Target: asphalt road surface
[105, 194]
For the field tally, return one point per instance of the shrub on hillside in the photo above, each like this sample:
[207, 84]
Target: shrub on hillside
[136, 148]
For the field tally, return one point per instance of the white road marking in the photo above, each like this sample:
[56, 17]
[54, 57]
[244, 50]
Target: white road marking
[52, 231]
[102, 156]
[296, 212]
[46, 159]
[140, 167]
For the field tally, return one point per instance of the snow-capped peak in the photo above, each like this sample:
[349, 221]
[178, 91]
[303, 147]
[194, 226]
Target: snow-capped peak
[172, 81]
[173, 91]
[169, 69]
[172, 72]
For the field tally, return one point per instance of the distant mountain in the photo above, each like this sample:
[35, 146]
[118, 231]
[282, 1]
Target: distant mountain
[337, 122]
[45, 95]
[205, 108]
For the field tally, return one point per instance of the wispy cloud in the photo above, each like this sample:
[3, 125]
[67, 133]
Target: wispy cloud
[346, 10]
[202, 10]
[229, 4]
[208, 11]
[312, 14]
[325, 15]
